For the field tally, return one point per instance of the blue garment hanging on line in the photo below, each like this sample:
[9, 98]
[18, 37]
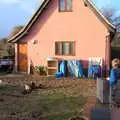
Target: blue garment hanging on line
[69, 68]
[75, 68]
[62, 70]
[94, 71]
[81, 74]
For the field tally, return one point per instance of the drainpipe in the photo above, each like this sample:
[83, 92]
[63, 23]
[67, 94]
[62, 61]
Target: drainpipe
[108, 54]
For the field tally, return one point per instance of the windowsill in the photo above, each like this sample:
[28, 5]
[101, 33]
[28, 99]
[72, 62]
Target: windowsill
[65, 11]
[64, 55]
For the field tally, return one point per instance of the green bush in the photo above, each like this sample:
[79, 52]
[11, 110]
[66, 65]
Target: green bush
[39, 68]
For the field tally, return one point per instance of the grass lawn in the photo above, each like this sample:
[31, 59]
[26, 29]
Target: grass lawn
[4, 73]
[42, 104]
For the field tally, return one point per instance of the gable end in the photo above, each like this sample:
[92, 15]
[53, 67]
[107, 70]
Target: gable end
[39, 11]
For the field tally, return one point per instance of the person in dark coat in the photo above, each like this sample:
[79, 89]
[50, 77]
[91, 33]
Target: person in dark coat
[115, 83]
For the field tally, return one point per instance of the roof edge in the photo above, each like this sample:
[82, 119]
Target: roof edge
[103, 19]
[30, 22]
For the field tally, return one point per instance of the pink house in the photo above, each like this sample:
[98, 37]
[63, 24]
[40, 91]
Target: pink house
[64, 29]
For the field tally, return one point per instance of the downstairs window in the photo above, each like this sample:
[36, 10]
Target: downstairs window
[65, 48]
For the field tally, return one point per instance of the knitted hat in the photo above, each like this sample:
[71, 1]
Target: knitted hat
[115, 63]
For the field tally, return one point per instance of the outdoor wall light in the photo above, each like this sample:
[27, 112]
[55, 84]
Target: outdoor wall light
[34, 41]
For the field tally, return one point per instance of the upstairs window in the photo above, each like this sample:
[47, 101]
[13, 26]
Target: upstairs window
[65, 48]
[65, 5]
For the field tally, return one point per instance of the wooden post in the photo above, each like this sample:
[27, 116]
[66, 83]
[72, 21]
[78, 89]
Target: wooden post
[107, 55]
[16, 58]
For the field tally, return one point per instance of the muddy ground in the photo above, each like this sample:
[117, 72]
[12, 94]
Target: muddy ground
[59, 100]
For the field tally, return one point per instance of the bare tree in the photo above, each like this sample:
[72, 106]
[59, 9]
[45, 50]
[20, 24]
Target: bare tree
[111, 15]
[6, 49]
[15, 30]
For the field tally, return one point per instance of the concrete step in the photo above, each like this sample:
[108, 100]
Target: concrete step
[100, 114]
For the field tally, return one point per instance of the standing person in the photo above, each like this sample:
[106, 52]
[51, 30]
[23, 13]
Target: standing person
[115, 83]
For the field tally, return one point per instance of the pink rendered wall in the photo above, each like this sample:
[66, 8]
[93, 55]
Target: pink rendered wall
[81, 26]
